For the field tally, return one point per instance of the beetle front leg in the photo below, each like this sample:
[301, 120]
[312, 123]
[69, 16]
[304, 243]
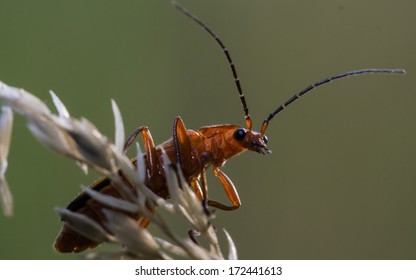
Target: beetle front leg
[230, 191]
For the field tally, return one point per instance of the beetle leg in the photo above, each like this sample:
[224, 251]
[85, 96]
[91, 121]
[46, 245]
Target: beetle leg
[205, 158]
[144, 222]
[197, 189]
[133, 136]
[204, 188]
[229, 190]
[149, 145]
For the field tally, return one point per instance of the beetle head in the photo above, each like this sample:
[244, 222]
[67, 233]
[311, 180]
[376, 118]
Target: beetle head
[252, 140]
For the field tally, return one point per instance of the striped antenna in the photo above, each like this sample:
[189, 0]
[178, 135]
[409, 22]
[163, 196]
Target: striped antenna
[324, 81]
[227, 54]
[290, 100]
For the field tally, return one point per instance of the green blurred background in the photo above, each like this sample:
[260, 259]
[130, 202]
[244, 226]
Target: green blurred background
[341, 181]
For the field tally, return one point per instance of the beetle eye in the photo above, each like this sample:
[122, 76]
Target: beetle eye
[239, 134]
[265, 139]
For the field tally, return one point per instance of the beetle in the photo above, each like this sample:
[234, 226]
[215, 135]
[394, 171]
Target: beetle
[194, 151]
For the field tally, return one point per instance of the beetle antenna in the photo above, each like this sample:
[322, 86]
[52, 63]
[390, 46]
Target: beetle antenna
[227, 54]
[324, 81]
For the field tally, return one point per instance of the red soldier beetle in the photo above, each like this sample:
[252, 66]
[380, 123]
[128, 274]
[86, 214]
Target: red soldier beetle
[193, 151]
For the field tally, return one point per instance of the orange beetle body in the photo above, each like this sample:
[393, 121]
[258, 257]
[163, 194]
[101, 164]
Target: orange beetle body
[195, 151]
